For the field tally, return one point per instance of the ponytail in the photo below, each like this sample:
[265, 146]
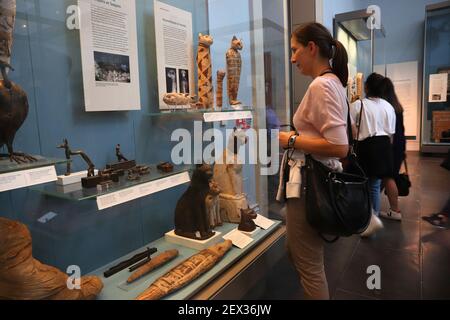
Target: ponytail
[329, 48]
[340, 62]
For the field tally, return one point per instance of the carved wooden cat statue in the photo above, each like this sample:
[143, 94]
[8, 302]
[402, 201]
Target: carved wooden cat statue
[191, 215]
[234, 64]
[204, 69]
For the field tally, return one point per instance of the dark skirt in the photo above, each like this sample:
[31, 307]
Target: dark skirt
[375, 156]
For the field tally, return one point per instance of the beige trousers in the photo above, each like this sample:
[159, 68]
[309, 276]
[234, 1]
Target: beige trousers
[305, 249]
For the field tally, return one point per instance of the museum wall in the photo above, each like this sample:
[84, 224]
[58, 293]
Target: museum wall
[46, 57]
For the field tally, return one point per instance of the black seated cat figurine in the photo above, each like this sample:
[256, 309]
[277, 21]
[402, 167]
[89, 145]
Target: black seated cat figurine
[247, 224]
[191, 214]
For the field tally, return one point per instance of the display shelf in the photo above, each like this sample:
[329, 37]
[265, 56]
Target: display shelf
[6, 166]
[75, 192]
[196, 112]
[115, 287]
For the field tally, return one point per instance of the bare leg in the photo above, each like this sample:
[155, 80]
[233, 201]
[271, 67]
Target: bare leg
[392, 193]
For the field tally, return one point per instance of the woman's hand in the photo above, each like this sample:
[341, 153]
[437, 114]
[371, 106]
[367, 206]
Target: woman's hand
[284, 138]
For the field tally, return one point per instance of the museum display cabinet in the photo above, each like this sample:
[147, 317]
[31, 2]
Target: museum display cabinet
[435, 132]
[365, 46]
[99, 114]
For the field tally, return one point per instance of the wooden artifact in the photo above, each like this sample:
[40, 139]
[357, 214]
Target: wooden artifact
[191, 214]
[178, 99]
[186, 272]
[7, 20]
[154, 263]
[125, 264]
[219, 92]
[228, 176]
[247, 224]
[204, 65]
[24, 278]
[234, 64]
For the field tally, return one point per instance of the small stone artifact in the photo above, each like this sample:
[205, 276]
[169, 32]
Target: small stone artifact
[247, 224]
[191, 214]
[219, 92]
[69, 153]
[156, 262]
[178, 99]
[234, 64]
[24, 278]
[119, 154]
[205, 87]
[186, 272]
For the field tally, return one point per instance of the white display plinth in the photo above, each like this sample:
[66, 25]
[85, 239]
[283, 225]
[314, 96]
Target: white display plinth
[73, 178]
[191, 243]
[251, 234]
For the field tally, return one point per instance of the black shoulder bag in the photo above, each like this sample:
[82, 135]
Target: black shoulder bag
[337, 203]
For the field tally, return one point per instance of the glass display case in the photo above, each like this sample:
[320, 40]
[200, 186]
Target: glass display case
[365, 46]
[96, 228]
[435, 133]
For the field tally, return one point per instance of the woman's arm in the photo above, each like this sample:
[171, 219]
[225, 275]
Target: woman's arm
[318, 146]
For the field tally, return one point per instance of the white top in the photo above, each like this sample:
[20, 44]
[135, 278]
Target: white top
[323, 114]
[378, 118]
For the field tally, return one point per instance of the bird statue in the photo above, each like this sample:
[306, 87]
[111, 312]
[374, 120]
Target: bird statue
[13, 112]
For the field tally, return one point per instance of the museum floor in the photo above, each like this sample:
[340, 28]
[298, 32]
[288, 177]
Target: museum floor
[413, 256]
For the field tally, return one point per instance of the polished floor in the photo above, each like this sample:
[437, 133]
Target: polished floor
[413, 256]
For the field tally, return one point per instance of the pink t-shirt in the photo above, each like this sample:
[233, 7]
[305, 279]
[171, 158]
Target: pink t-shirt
[323, 112]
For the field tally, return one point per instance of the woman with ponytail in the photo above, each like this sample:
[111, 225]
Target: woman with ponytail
[374, 119]
[321, 123]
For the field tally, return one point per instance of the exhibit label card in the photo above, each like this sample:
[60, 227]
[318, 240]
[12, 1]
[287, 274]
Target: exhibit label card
[174, 52]
[27, 178]
[438, 87]
[224, 116]
[109, 55]
[239, 239]
[263, 222]
[142, 190]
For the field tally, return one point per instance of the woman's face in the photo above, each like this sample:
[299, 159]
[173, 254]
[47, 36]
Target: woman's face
[301, 57]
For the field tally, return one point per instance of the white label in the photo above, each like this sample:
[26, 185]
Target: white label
[26, 178]
[263, 222]
[239, 239]
[223, 116]
[142, 190]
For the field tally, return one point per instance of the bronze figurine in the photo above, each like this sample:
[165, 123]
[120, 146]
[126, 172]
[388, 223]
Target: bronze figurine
[69, 153]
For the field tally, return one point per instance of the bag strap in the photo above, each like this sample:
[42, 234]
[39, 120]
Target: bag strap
[360, 119]
[406, 166]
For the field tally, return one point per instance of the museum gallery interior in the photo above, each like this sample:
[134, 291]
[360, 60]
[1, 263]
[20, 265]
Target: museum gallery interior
[155, 149]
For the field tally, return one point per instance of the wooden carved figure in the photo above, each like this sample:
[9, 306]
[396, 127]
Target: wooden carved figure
[205, 86]
[234, 64]
[7, 19]
[219, 92]
[22, 277]
[191, 214]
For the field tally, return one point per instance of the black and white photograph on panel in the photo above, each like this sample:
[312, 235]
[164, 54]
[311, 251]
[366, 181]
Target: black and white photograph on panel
[171, 80]
[112, 67]
[183, 75]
